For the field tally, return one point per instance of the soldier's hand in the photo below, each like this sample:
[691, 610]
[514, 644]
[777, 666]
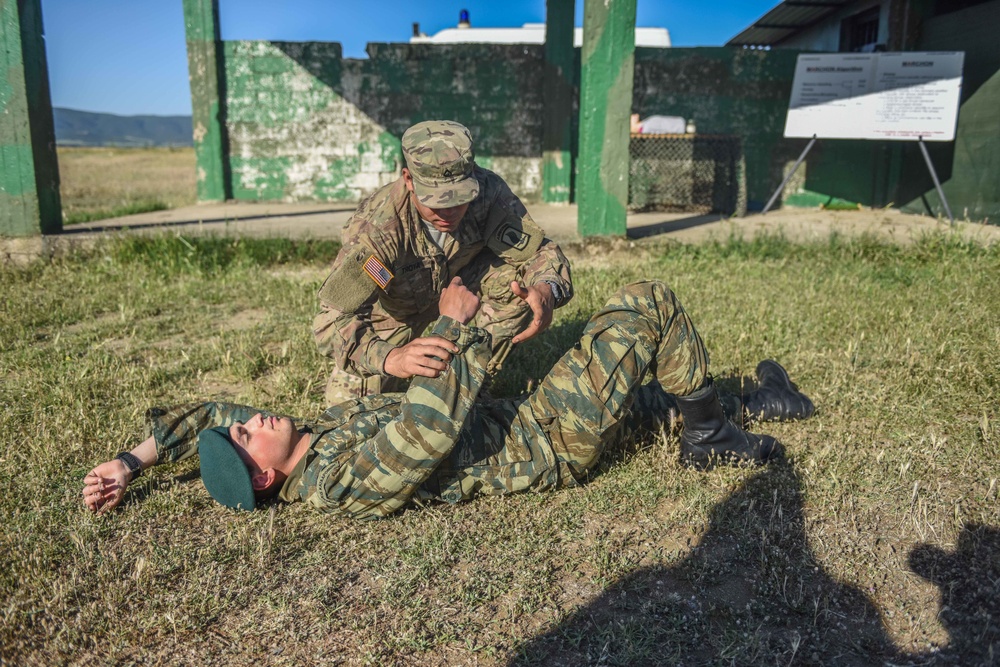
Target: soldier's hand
[104, 486]
[427, 356]
[542, 303]
[458, 302]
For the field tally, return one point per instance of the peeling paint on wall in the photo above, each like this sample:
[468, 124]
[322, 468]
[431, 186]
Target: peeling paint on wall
[305, 124]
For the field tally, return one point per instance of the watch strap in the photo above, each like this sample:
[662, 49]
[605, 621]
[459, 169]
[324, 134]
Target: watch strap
[557, 292]
[132, 463]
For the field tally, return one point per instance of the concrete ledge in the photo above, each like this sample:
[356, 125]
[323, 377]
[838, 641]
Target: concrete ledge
[22, 251]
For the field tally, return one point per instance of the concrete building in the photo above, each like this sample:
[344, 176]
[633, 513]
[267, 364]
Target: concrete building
[878, 173]
[529, 33]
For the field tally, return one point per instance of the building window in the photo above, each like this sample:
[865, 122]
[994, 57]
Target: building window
[859, 33]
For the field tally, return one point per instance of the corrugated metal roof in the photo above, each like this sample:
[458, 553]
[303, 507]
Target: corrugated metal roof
[785, 20]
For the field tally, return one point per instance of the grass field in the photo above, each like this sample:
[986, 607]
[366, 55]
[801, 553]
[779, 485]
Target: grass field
[98, 183]
[877, 541]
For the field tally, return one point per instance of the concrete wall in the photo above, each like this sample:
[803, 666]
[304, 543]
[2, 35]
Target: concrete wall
[825, 36]
[969, 167]
[726, 91]
[304, 123]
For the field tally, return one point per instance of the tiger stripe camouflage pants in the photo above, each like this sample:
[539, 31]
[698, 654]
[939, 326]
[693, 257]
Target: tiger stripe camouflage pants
[643, 331]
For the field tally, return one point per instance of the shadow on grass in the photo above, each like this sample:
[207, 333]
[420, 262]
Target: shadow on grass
[668, 226]
[969, 579]
[751, 592]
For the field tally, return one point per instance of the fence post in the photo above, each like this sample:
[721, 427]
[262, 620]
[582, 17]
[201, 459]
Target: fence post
[607, 66]
[29, 169]
[204, 49]
[557, 160]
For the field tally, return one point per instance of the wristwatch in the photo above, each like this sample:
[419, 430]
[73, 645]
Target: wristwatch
[132, 463]
[557, 292]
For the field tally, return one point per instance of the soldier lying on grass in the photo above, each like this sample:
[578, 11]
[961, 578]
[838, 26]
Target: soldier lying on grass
[370, 457]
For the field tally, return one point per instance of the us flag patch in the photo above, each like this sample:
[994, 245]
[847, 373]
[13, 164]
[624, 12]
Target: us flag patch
[376, 271]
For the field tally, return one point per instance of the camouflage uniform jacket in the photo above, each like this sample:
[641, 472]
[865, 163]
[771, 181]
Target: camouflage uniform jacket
[369, 457]
[387, 227]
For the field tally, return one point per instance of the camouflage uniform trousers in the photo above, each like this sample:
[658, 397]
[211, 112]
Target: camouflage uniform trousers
[597, 387]
[501, 313]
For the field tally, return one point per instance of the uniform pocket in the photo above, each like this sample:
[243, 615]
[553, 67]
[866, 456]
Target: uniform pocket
[411, 291]
[486, 441]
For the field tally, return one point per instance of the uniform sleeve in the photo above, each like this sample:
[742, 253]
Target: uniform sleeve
[343, 328]
[384, 472]
[176, 429]
[515, 237]
[550, 264]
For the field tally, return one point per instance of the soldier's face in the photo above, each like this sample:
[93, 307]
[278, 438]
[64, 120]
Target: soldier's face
[442, 219]
[267, 441]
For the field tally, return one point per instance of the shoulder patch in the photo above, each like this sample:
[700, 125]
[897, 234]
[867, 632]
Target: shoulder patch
[353, 282]
[515, 239]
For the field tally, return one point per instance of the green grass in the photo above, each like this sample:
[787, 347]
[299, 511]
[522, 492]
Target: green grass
[886, 510]
[127, 208]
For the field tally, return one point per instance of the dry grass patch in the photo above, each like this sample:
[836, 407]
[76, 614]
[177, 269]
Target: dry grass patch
[877, 541]
[107, 182]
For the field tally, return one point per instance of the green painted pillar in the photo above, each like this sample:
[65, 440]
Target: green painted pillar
[29, 170]
[557, 160]
[606, 67]
[204, 48]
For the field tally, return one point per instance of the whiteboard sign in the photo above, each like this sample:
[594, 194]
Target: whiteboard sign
[902, 96]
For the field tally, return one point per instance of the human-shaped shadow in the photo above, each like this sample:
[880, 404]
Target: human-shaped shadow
[751, 592]
[969, 579]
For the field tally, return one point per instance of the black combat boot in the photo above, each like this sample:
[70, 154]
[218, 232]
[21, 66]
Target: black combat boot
[709, 437]
[776, 398]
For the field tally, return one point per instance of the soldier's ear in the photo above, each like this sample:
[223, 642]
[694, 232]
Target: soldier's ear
[407, 179]
[262, 480]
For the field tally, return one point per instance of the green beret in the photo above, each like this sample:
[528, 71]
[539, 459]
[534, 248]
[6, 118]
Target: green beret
[222, 470]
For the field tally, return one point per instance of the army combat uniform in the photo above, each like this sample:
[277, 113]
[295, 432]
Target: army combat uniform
[384, 286]
[369, 457]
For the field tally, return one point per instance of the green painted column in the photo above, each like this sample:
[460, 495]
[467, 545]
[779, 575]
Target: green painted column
[557, 160]
[29, 170]
[606, 68]
[204, 49]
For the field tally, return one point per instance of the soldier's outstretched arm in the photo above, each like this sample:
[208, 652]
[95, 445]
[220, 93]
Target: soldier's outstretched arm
[518, 241]
[173, 436]
[104, 486]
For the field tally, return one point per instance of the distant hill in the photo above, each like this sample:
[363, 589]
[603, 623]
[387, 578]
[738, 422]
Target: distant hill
[84, 128]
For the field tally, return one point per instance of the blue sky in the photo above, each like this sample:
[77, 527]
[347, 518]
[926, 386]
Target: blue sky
[128, 56]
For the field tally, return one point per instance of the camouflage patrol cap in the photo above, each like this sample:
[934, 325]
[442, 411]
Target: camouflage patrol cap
[440, 159]
[222, 470]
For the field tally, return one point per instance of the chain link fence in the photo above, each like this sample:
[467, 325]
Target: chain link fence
[687, 173]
